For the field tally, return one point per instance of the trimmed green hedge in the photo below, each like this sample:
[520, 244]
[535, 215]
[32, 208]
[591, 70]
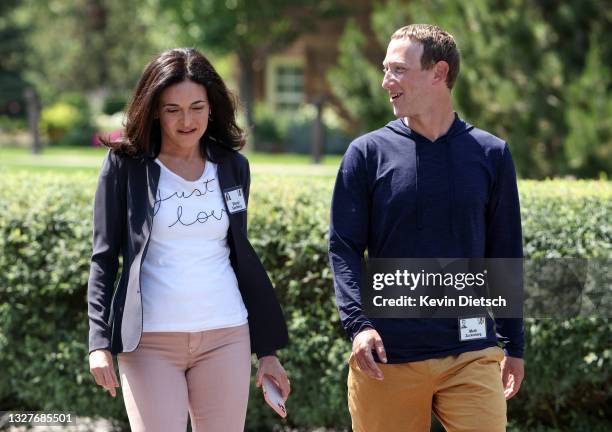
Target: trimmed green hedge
[45, 229]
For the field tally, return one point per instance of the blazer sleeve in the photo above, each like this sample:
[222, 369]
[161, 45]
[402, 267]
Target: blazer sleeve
[245, 179]
[108, 232]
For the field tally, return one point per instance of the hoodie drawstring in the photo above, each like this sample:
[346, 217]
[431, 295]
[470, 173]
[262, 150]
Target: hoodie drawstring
[419, 205]
[451, 185]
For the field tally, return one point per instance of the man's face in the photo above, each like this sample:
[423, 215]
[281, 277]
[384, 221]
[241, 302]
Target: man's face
[409, 86]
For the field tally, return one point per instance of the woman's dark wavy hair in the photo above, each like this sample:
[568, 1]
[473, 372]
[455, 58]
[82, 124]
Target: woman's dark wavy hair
[142, 131]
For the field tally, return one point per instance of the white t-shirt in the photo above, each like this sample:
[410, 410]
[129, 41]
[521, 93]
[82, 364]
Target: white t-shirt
[187, 281]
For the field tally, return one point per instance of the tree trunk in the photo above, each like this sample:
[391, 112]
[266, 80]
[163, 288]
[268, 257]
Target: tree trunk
[33, 108]
[318, 130]
[95, 15]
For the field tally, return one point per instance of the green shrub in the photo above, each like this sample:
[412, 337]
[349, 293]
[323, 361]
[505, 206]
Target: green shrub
[67, 122]
[114, 103]
[45, 229]
[292, 131]
[268, 130]
[12, 124]
[568, 363]
[59, 117]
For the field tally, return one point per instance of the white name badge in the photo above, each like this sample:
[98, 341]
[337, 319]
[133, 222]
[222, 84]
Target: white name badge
[472, 328]
[234, 198]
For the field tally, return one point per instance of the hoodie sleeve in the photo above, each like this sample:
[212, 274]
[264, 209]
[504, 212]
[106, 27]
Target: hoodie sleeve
[348, 235]
[505, 240]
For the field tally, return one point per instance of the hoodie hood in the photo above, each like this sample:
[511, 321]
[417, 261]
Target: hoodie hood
[457, 128]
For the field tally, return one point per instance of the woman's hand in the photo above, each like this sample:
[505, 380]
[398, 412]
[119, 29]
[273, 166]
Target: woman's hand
[269, 365]
[102, 368]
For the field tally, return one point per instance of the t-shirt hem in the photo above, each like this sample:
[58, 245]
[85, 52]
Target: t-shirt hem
[195, 328]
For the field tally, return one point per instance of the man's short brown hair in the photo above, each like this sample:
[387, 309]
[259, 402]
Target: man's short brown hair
[438, 45]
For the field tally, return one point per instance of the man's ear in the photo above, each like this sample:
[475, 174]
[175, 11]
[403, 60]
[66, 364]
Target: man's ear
[440, 72]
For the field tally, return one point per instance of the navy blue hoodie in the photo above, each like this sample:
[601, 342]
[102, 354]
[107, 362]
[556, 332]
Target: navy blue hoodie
[400, 195]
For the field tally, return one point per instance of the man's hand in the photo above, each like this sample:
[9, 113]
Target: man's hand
[512, 374]
[103, 370]
[269, 365]
[363, 344]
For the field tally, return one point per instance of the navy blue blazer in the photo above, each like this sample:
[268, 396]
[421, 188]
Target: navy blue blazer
[123, 216]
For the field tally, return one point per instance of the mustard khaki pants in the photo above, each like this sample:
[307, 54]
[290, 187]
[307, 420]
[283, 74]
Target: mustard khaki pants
[464, 391]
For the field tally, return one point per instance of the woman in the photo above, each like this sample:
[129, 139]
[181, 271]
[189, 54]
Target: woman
[193, 299]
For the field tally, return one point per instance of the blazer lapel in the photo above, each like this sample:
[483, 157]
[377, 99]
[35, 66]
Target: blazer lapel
[152, 172]
[227, 180]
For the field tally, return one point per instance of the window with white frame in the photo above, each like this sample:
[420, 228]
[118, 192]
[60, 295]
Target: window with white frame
[285, 83]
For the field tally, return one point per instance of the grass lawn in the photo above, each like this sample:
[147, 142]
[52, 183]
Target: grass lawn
[89, 159]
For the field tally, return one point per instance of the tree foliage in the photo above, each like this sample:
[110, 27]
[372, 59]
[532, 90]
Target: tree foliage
[357, 82]
[249, 29]
[89, 45]
[534, 73]
[12, 44]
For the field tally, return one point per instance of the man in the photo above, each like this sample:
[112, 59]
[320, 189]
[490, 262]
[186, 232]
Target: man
[427, 185]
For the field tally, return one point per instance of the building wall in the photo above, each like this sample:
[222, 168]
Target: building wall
[316, 52]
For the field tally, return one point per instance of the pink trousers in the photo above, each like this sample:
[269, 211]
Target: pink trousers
[171, 374]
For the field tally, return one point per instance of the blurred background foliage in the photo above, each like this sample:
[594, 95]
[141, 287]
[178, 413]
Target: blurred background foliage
[535, 72]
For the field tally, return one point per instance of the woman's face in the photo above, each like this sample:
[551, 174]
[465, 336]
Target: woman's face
[183, 114]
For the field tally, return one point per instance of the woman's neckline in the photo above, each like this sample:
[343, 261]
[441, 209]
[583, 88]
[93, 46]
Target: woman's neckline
[179, 177]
